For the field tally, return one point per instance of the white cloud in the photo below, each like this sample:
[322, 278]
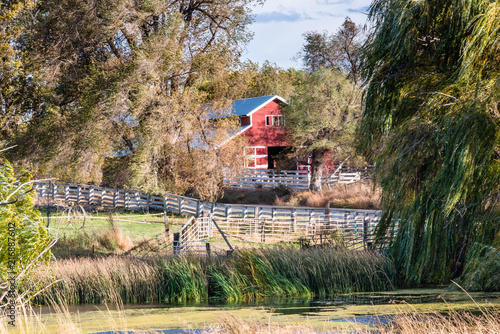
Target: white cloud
[280, 17]
[280, 24]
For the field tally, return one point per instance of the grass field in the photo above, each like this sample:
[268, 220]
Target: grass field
[107, 232]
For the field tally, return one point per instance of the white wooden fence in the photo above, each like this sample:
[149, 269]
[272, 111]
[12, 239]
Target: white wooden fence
[293, 179]
[117, 198]
[263, 224]
[266, 178]
[259, 223]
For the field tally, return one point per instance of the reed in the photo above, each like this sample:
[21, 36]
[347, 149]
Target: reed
[250, 274]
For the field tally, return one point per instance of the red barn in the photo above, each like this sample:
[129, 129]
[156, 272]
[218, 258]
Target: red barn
[261, 120]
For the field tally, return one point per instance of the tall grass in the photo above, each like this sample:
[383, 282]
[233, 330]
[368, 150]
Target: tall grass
[250, 274]
[360, 195]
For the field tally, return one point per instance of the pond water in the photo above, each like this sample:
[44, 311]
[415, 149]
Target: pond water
[362, 309]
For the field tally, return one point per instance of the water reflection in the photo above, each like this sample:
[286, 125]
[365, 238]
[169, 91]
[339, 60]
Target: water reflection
[300, 306]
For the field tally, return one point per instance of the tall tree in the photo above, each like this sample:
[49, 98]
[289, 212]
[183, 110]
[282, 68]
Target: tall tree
[251, 80]
[341, 50]
[122, 78]
[11, 68]
[432, 124]
[269, 79]
[321, 117]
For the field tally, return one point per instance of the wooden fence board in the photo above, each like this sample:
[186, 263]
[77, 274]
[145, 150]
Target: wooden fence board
[252, 221]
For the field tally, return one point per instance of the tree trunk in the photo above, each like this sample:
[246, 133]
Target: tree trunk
[317, 161]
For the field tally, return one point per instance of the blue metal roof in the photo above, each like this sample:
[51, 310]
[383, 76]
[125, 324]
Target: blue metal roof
[245, 106]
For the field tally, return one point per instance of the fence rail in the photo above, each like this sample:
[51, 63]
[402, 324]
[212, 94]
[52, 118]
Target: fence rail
[355, 229]
[266, 178]
[259, 223]
[294, 179]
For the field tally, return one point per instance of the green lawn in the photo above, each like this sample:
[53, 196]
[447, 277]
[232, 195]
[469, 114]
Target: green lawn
[103, 233]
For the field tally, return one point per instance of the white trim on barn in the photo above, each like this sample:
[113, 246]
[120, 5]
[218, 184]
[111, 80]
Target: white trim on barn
[253, 157]
[272, 98]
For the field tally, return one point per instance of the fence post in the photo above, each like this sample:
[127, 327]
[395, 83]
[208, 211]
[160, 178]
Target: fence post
[344, 224]
[294, 219]
[311, 223]
[228, 215]
[179, 203]
[198, 208]
[103, 194]
[258, 217]
[356, 228]
[176, 243]
[327, 216]
[167, 227]
[66, 194]
[148, 203]
[54, 187]
[91, 195]
[42, 191]
[263, 232]
[78, 194]
[366, 244]
[165, 203]
[210, 219]
[202, 207]
[273, 215]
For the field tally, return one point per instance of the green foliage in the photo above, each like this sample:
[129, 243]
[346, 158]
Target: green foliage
[482, 271]
[23, 238]
[269, 79]
[431, 123]
[341, 51]
[321, 116]
[123, 78]
[250, 274]
[11, 67]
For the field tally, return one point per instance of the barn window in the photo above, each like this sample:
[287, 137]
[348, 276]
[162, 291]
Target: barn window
[275, 120]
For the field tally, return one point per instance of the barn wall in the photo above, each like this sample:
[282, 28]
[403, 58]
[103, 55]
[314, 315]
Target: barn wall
[260, 134]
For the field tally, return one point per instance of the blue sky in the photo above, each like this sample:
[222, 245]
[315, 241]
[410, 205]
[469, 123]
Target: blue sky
[279, 25]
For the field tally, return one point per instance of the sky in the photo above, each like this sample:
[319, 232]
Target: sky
[279, 25]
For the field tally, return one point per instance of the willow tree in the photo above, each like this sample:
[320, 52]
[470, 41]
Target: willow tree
[431, 123]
